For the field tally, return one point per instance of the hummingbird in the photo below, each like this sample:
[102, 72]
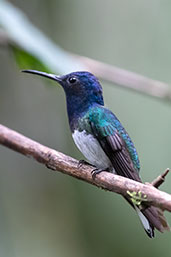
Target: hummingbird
[101, 138]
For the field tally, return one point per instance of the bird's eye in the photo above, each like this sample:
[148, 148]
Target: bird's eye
[72, 80]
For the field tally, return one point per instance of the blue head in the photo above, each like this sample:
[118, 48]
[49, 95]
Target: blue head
[82, 90]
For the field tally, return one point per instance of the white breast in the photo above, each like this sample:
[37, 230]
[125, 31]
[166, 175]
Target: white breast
[91, 149]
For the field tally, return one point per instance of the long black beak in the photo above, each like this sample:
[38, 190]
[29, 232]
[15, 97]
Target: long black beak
[44, 74]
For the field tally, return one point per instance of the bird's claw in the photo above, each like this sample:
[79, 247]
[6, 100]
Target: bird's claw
[95, 172]
[83, 162]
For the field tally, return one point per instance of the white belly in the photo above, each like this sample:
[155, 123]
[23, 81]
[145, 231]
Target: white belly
[91, 149]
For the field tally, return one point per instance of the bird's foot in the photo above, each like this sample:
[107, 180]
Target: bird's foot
[97, 171]
[83, 162]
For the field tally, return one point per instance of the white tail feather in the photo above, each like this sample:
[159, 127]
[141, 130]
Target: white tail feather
[144, 222]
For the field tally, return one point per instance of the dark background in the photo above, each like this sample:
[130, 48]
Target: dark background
[45, 213]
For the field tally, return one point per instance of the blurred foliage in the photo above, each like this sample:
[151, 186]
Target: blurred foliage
[32, 42]
[25, 60]
[43, 213]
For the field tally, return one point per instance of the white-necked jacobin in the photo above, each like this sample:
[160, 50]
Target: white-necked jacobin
[101, 138]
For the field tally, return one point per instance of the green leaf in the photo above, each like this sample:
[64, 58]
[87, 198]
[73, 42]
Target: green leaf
[25, 60]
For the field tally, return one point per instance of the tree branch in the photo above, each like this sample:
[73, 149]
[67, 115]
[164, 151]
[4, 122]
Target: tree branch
[58, 161]
[160, 179]
[3, 38]
[127, 79]
[112, 74]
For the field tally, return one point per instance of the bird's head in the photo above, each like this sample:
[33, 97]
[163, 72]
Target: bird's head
[82, 89]
[81, 84]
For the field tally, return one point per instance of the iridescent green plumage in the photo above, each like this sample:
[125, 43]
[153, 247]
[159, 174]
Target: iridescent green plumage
[106, 124]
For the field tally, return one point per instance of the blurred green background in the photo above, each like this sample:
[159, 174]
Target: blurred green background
[45, 213]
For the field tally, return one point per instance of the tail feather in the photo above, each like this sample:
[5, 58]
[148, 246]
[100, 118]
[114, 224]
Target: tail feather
[163, 220]
[152, 218]
[148, 227]
[156, 218]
